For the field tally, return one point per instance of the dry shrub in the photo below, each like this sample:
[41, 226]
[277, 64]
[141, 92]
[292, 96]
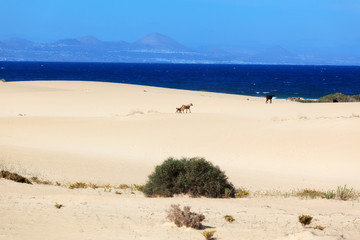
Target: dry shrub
[14, 177]
[185, 217]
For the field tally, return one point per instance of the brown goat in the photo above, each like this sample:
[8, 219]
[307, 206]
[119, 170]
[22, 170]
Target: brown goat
[269, 97]
[186, 107]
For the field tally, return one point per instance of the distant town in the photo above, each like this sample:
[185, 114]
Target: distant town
[158, 48]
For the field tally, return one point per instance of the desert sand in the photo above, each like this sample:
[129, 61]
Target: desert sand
[107, 133]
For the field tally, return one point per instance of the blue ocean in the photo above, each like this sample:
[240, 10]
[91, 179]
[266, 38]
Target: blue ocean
[255, 80]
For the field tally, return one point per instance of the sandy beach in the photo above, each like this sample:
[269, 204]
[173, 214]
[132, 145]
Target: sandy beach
[109, 133]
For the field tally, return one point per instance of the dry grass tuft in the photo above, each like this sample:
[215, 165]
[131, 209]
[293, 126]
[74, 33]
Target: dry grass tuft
[241, 193]
[123, 186]
[308, 193]
[78, 185]
[318, 227]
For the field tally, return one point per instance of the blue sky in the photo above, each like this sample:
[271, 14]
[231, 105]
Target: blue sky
[297, 25]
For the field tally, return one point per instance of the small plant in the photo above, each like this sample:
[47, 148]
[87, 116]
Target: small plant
[305, 219]
[58, 205]
[241, 193]
[185, 217]
[229, 218]
[330, 194]
[318, 227]
[308, 193]
[78, 185]
[208, 234]
[118, 192]
[344, 193]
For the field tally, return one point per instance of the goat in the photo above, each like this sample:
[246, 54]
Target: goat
[179, 110]
[269, 97]
[186, 107]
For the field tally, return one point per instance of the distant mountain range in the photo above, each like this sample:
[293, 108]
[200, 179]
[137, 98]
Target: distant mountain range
[156, 48]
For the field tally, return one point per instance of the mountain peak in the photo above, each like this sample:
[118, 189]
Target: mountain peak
[160, 41]
[88, 40]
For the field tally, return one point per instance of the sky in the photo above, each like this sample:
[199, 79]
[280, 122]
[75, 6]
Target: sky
[296, 25]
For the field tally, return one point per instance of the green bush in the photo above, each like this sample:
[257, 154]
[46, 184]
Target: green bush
[194, 176]
[339, 97]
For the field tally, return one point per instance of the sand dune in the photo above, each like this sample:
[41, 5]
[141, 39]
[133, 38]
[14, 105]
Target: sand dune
[116, 133]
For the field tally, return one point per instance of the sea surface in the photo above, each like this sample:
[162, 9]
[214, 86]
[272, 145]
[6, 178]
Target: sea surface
[255, 80]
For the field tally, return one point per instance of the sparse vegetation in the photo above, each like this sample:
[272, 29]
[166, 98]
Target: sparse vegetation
[208, 234]
[194, 176]
[336, 97]
[308, 193]
[305, 219]
[229, 218]
[344, 193]
[14, 177]
[78, 185]
[39, 181]
[139, 188]
[123, 186]
[93, 186]
[185, 217]
[241, 193]
[339, 97]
